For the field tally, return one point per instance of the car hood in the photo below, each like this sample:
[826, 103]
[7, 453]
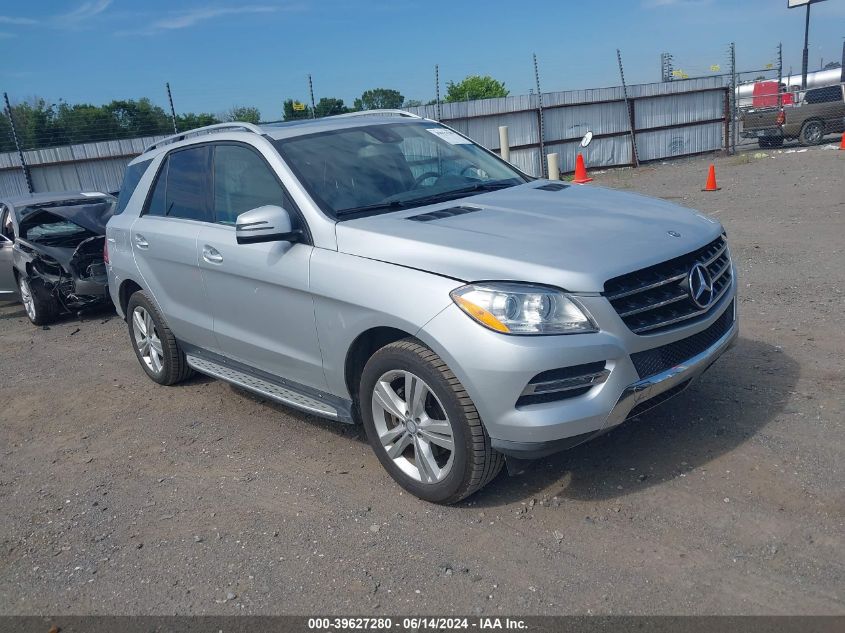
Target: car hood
[91, 217]
[575, 238]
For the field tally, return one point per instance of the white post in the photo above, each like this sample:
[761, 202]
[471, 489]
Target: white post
[554, 166]
[504, 144]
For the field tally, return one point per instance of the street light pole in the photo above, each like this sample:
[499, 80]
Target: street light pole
[806, 55]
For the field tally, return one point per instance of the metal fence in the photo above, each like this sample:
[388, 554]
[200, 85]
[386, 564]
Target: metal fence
[670, 119]
[88, 166]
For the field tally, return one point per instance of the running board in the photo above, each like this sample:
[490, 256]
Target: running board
[284, 395]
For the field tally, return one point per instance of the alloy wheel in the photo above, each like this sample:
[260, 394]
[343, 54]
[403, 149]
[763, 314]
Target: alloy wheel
[146, 339]
[26, 298]
[412, 426]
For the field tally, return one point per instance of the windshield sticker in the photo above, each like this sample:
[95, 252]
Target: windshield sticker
[449, 136]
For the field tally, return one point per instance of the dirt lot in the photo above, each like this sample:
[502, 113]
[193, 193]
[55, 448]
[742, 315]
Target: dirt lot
[120, 496]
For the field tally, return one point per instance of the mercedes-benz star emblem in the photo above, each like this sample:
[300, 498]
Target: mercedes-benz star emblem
[700, 286]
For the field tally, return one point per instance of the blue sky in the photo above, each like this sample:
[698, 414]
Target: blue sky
[220, 53]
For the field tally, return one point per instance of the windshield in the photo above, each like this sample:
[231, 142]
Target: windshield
[380, 168]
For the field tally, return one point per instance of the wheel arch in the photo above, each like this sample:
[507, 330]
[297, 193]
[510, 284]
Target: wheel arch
[127, 288]
[363, 347]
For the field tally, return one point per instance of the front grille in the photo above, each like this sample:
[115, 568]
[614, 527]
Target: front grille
[660, 398]
[657, 298]
[654, 361]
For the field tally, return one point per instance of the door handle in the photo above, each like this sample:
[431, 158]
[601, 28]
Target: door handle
[211, 255]
[141, 241]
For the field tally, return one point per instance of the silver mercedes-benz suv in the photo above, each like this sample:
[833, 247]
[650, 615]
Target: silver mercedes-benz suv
[384, 269]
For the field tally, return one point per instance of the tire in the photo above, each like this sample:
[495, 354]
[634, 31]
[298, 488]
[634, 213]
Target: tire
[160, 355]
[812, 133]
[41, 307]
[446, 476]
[775, 141]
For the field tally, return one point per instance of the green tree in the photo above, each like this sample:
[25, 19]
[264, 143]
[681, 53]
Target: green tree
[412, 103]
[139, 118]
[289, 114]
[247, 114]
[475, 87]
[329, 106]
[379, 99]
[191, 121]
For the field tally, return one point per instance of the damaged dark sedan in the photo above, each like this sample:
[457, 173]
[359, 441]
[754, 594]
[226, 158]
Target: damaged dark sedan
[54, 246]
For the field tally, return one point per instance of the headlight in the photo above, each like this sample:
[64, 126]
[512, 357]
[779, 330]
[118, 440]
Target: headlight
[516, 308]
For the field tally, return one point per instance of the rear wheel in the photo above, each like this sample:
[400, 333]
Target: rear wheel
[812, 133]
[155, 346]
[423, 426]
[40, 306]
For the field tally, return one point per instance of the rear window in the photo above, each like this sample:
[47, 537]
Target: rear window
[130, 182]
[824, 95]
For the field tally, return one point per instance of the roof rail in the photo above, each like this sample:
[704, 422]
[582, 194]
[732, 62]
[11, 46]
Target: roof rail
[207, 129]
[393, 112]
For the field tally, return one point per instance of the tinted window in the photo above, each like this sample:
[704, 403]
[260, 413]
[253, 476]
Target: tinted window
[130, 182]
[824, 95]
[187, 184]
[242, 181]
[155, 205]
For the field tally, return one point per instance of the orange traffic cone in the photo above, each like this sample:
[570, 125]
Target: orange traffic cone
[842, 142]
[711, 180]
[580, 171]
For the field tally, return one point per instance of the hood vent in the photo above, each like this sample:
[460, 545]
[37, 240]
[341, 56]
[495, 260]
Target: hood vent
[442, 213]
[552, 186]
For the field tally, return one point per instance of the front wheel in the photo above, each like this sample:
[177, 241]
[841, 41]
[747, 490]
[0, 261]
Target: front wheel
[40, 306]
[423, 426]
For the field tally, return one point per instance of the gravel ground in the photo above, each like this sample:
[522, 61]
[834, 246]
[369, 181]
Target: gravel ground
[121, 496]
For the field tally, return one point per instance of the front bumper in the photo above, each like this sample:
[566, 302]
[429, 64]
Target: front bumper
[494, 369]
[641, 395]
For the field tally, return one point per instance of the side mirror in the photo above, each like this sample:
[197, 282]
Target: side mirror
[269, 223]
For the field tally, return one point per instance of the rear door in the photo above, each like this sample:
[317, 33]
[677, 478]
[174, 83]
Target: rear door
[8, 287]
[259, 295]
[164, 243]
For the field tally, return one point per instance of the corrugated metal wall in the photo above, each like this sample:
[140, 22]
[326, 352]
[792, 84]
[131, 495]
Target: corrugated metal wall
[676, 118]
[97, 166]
[670, 119]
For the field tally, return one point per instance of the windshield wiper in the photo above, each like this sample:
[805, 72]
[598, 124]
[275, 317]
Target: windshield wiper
[461, 193]
[393, 205]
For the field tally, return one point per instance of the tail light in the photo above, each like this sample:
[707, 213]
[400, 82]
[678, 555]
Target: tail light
[106, 251]
[781, 118]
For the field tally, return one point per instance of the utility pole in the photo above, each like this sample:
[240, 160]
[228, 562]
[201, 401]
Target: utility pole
[842, 75]
[311, 90]
[634, 158]
[24, 166]
[806, 55]
[172, 111]
[540, 122]
[780, 74]
[732, 54]
[437, 91]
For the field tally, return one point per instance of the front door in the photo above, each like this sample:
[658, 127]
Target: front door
[259, 296]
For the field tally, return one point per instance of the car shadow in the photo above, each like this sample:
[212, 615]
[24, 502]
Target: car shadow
[17, 314]
[742, 392]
